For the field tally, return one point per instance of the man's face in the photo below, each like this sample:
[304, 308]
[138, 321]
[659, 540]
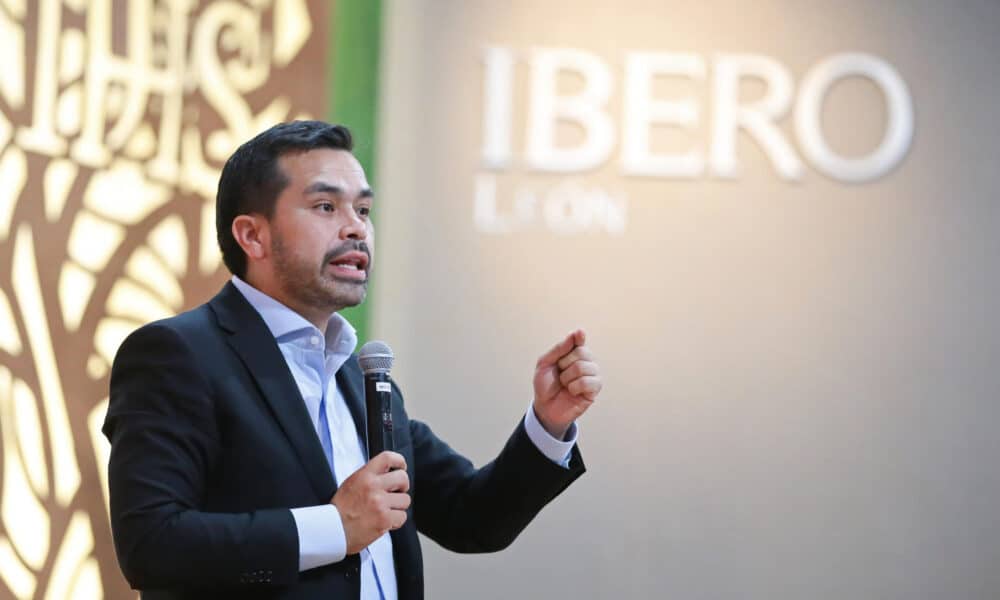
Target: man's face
[322, 238]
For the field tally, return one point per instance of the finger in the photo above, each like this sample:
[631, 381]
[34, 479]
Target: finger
[577, 370]
[557, 351]
[578, 353]
[590, 385]
[387, 461]
[399, 501]
[397, 518]
[395, 481]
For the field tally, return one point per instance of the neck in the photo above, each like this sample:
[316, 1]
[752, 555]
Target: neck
[319, 317]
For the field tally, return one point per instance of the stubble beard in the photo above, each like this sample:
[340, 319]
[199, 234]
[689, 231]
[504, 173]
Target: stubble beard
[311, 285]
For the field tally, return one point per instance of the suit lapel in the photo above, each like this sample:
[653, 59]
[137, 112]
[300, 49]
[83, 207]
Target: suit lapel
[252, 341]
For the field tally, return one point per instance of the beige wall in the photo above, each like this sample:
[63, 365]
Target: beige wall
[801, 377]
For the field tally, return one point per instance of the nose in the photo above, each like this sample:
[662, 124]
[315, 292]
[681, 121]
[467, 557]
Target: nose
[354, 227]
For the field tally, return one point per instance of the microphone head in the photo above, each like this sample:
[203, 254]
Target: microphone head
[375, 357]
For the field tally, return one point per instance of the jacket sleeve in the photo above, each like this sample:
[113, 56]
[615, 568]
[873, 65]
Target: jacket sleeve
[483, 510]
[164, 446]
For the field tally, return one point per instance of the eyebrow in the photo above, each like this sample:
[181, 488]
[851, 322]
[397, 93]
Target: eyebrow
[321, 187]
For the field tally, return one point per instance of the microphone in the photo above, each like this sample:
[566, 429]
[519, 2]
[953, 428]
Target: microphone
[376, 360]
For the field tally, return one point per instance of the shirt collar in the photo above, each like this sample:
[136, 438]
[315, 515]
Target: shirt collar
[285, 323]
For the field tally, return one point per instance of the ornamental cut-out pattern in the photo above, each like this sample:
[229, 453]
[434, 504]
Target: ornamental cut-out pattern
[115, 118]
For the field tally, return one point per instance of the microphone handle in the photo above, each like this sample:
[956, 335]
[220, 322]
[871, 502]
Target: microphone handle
[378, 408]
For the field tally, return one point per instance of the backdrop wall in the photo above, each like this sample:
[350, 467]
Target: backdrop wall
[797, 332]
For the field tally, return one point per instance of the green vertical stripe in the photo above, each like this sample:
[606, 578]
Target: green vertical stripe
[353, 93]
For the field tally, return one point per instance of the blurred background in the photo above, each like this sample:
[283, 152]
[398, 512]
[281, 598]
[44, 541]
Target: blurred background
[776, 221]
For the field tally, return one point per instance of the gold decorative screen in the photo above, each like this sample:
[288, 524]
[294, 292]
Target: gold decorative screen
[115, 118]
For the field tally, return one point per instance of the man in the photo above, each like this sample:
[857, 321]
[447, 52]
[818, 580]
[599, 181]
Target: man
[237, 462]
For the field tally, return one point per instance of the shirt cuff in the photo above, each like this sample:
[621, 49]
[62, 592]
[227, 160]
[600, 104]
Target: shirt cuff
[558, 451]
[321, 536]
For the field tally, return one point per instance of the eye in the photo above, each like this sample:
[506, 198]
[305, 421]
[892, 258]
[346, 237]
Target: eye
[325, 206]
[364, 211]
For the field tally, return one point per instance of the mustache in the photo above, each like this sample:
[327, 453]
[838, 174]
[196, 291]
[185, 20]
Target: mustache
[348, 246]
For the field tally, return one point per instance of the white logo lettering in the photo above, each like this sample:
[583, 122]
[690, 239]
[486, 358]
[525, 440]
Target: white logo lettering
[586, 109]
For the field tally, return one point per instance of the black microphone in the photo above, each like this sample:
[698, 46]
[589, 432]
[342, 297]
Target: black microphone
[376, 361]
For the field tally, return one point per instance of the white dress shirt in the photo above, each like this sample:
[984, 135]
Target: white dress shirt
[314, 359]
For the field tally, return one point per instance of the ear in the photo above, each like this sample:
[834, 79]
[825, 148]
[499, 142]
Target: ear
[253, 234]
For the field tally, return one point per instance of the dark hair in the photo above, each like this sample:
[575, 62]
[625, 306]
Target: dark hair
[252, 180]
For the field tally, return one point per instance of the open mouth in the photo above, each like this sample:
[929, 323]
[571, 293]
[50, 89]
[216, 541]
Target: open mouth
[351, 265]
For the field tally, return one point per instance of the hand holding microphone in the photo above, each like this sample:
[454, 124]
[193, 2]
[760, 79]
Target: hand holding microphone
[374, 499]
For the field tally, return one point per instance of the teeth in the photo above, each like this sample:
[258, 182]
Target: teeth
[348, 266]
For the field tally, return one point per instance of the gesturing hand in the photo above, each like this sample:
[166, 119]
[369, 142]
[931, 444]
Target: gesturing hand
[373, 500]
[567, 381]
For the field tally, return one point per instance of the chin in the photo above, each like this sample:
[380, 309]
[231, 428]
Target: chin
[354, 302]
[349, 300]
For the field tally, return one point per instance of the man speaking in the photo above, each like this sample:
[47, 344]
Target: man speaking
[238, 462]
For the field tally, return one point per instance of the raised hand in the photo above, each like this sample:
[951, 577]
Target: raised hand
[566, 382]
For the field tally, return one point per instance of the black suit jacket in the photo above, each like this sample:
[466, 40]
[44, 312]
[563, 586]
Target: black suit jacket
[211, 445]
